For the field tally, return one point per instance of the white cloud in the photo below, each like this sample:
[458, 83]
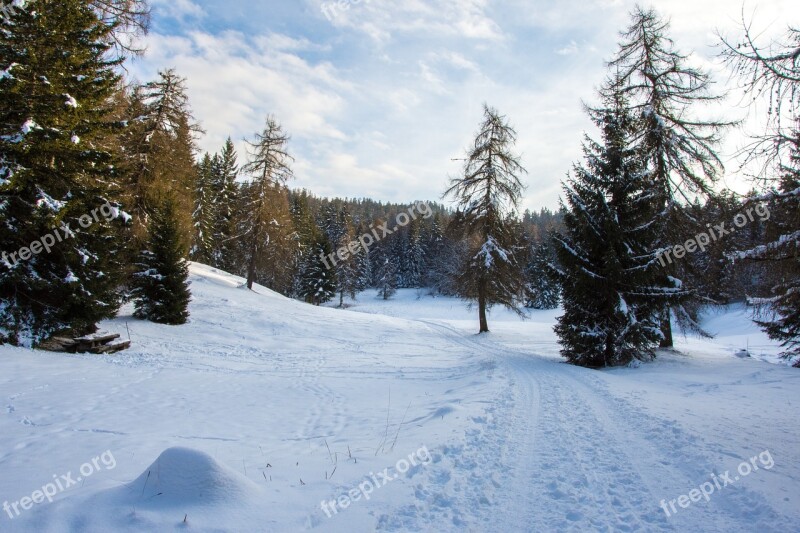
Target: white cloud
[382, 20]
[177, 9]
[380, 99]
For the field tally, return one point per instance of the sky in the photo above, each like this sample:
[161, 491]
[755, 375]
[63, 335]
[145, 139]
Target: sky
[382, 98]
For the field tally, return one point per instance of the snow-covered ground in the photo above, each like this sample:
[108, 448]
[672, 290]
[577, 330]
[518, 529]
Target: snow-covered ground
[399, 418]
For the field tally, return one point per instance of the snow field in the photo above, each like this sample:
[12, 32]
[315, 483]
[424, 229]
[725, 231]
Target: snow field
[262, 408]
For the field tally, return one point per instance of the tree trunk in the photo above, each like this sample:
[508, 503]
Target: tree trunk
[251, 267]
[666, 329]
[482, 308]
[251, 272]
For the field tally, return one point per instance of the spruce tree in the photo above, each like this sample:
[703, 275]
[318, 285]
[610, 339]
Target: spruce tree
[226, 172]
[316, 281]
[205, 213]
[542, 290]
[160, 285]
[386, 278]
[488, 192]
[57, 166]
[609, 276]
[342, 234]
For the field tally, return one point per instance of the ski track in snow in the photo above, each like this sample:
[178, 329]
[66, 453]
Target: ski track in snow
[557, 434]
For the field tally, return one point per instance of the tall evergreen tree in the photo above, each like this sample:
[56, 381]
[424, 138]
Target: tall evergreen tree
[205, 213]
[226, 172]
[386, 278]
[269, 167]
[160, 150]
[490, 190]
[317, 283]
[160, 285]
[664, 92]
[609, 275]
[542, 290]
[57, 165]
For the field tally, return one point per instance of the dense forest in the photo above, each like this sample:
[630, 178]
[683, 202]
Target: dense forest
[644, 240]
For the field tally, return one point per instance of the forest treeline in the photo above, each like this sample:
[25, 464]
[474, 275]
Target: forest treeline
[76, 135]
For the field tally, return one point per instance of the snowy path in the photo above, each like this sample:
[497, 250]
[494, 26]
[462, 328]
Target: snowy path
[561, 453]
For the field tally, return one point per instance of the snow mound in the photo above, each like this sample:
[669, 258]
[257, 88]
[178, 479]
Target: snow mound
[183, 476]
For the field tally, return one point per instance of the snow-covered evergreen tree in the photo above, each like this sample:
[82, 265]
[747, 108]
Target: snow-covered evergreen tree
[316, 281]
[363, 263]
[160, 284]
[58, 164]
[610, 278]
[488, 192]
[346, 267]
[205, 213]
[226, 172]
[386, 279]
[542, 290]
[413, 256]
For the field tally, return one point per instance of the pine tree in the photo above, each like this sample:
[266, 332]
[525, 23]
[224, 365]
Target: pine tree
[269, 167]
[160, 149]
[226, 172]
[542, 290]
[160, 286]
[663, 92]
[363, 263]
[340, 231]
[609, 276]
[57, 166]
[205, 213]
[274, 266]
[489, 190]
[413, 256]
[317, 282]
[386, 279]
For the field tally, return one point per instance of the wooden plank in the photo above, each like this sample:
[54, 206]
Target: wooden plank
[118, 346]
[98, 338]
[111, 347]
